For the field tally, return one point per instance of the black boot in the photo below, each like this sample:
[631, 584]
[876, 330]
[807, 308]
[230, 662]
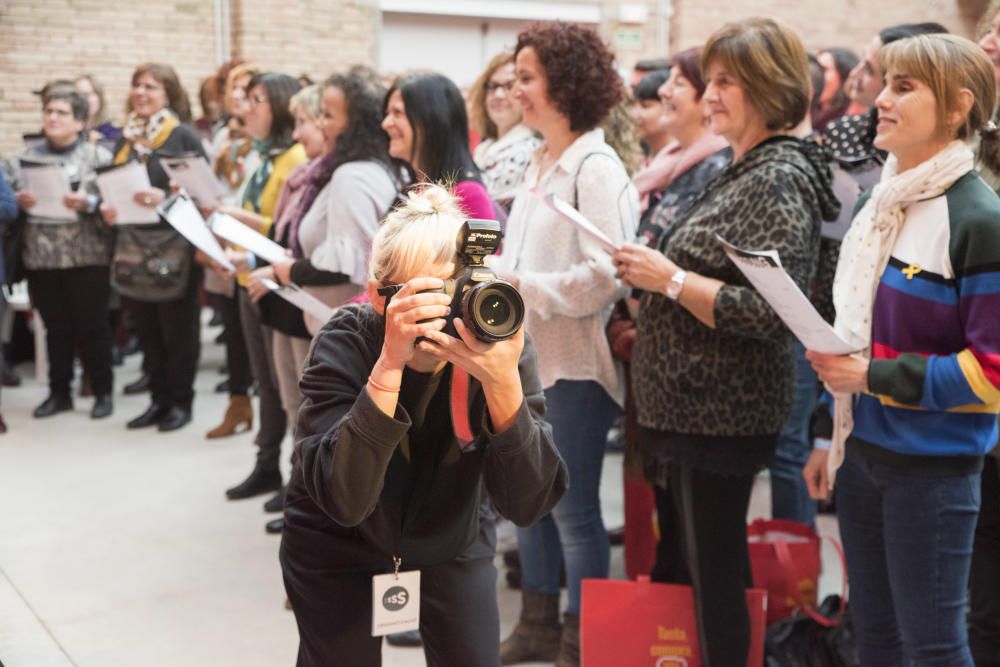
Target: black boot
[103, 407]
[261, 480]
[276, 503]
[274, 527]
[140, 386]
[174, 419]
[53, 405]
[153, 415]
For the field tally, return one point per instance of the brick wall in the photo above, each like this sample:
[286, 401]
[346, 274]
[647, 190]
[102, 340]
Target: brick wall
[311, 37]
[47, 39]
[849, 23]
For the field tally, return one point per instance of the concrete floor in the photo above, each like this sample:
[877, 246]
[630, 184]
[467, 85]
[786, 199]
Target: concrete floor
[118, 548]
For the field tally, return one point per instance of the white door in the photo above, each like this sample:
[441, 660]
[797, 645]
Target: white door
[457, 46]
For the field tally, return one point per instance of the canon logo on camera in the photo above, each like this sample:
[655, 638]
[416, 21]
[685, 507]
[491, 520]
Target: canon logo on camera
[395, 598]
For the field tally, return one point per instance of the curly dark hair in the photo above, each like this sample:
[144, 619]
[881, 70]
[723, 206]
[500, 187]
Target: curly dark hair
[362, 138]
[579, 70]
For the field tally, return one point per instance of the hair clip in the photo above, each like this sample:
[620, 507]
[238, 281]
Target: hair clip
[990, 127]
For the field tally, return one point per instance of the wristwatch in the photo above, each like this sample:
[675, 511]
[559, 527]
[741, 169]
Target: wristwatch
[676, 284]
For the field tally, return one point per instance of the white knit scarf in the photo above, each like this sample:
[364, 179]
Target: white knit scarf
[865, 253]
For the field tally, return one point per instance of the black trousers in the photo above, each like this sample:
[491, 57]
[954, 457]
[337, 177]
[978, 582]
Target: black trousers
[459, 619]
[169, 334]
[984, 580]
[74, 307]
[237, 359]
[273, 421]
[703, 544]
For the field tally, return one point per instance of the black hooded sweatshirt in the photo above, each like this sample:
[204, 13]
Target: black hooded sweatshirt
[366, 486]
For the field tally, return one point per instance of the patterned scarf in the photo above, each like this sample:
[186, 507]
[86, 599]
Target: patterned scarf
[145, 135]
[268, 152]
[866, 250]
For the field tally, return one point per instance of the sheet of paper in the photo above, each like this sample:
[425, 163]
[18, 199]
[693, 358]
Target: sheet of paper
[572, 215]
[184, 216]
[297, 296]
[193, 173]
[118, 187]
[764, 271]
[239, 234]
[49, 185]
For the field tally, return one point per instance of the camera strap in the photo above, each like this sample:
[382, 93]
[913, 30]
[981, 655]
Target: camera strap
[460, 407]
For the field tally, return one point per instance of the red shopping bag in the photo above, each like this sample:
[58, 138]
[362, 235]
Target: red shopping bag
[639, 623]
[785, 559]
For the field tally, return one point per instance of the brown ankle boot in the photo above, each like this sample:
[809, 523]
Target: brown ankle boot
[536, 637]
[569, 647]
[239, 413]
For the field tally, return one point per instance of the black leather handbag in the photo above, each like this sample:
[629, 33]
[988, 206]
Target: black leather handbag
[152, 265]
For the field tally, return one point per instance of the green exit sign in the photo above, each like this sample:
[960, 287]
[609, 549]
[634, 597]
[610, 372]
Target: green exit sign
[628, 38]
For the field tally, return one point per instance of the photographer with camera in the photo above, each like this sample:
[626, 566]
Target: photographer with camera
[401, 427]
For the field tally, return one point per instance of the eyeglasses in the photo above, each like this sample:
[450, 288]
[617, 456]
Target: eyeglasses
[494, 88]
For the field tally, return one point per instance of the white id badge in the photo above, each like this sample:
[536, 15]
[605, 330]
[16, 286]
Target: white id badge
[395, 603]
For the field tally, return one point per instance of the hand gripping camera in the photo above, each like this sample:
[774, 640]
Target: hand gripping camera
[491, 308]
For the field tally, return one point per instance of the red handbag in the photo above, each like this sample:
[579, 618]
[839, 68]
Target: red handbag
[640, 623]
[785, 560]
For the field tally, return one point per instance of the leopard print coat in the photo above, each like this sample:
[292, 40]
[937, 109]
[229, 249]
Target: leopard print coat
[735, 379]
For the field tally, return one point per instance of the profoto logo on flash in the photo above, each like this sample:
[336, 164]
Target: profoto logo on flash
[486, 236]
[395, 598]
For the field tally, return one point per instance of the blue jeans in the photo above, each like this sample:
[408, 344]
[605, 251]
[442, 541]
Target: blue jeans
[908, 541]
[789, 495]
[581, 413]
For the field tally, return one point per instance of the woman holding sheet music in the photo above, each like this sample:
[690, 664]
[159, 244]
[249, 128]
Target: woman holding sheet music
[161, 289]
[712, 363]
[566, 85]
[270, 123]
[916, 291]
[67, 250]
[330, 223]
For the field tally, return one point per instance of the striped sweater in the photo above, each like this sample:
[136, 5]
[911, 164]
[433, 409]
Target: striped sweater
[934, 378]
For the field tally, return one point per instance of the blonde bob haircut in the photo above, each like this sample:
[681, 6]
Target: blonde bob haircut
[309, 100]
[769, 62]
[418, 238]
[947, 64]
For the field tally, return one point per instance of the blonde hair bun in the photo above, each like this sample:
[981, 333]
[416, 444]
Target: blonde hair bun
[418, 237]
[430, 199]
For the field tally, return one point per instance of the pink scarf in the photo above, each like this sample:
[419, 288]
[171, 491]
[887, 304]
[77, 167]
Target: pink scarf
[671, 162]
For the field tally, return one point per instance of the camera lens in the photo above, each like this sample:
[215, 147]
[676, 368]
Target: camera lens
[494, 310]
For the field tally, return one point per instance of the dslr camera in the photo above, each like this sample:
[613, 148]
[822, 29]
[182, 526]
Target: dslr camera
[491, 308]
